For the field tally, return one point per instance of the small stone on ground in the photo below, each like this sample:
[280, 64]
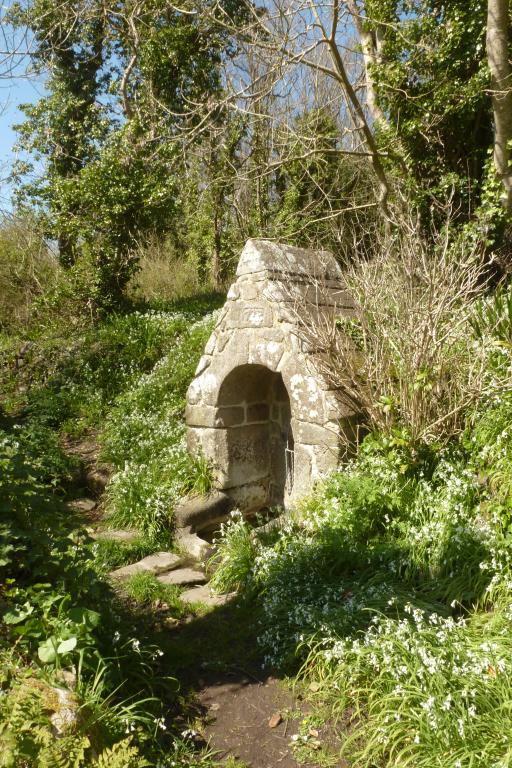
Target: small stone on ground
[82, 505]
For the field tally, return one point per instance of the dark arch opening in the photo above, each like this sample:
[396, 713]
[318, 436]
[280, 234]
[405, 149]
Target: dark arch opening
[254, 408]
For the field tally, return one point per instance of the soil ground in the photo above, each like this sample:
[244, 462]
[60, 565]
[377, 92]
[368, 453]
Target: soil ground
[219, 668]
[238, 714]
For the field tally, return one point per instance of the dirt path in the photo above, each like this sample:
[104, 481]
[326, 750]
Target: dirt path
[238, 716]
[240, 710]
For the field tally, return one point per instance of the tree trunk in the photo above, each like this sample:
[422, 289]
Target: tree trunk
[501, 85]
[368, 48]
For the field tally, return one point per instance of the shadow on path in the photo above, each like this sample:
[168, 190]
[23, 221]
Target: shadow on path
[218, 664]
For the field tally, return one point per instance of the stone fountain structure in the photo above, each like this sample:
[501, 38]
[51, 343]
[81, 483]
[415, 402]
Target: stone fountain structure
[259, 407]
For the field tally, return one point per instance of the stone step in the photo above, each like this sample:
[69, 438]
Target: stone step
[192, 545]
[199, 512]
[110, 534]
[203, 595]
[160, 562]
[182, 577]
[97, 479]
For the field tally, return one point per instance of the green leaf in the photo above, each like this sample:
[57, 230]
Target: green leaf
[65, 646]
[47, 651]
[84, 616]
[17, 615]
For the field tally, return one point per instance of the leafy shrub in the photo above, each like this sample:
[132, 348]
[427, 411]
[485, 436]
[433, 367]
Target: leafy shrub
[56, 612]
[393, 586]
[161, 275]
[41, 445]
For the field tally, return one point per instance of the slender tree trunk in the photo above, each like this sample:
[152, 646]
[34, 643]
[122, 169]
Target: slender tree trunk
[370, 56]
[498, 28]
[217, 266]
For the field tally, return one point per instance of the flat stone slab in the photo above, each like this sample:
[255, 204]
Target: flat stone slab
[83, 505]
[160, 562]
[193, 545]
[203, 595]
[199, 512]
[124, 536]
[182, 577]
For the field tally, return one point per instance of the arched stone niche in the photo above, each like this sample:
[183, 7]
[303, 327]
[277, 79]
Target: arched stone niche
[258, 406]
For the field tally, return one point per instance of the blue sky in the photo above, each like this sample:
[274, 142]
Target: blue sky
[15, 91]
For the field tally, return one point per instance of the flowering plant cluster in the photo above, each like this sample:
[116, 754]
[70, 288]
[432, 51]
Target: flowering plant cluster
[393, 586]
[144, 435]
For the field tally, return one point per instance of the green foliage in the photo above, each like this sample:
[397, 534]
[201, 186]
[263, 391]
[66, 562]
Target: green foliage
[493, 317]
[64, 127]
[107, 183]
[121, 755]
[316, 184]
[28, 709]
[72, 379]
[210, 231]
[431, 80]
[27, 269]
[119, 196]
[163, 275]
[435, 689]
[110, 554]
[57, 612]
[26, 734]
[234, 558]
[392, 585]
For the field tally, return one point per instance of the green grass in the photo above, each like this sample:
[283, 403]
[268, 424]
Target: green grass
[231, 565]
[110, 554]
[146, 590]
